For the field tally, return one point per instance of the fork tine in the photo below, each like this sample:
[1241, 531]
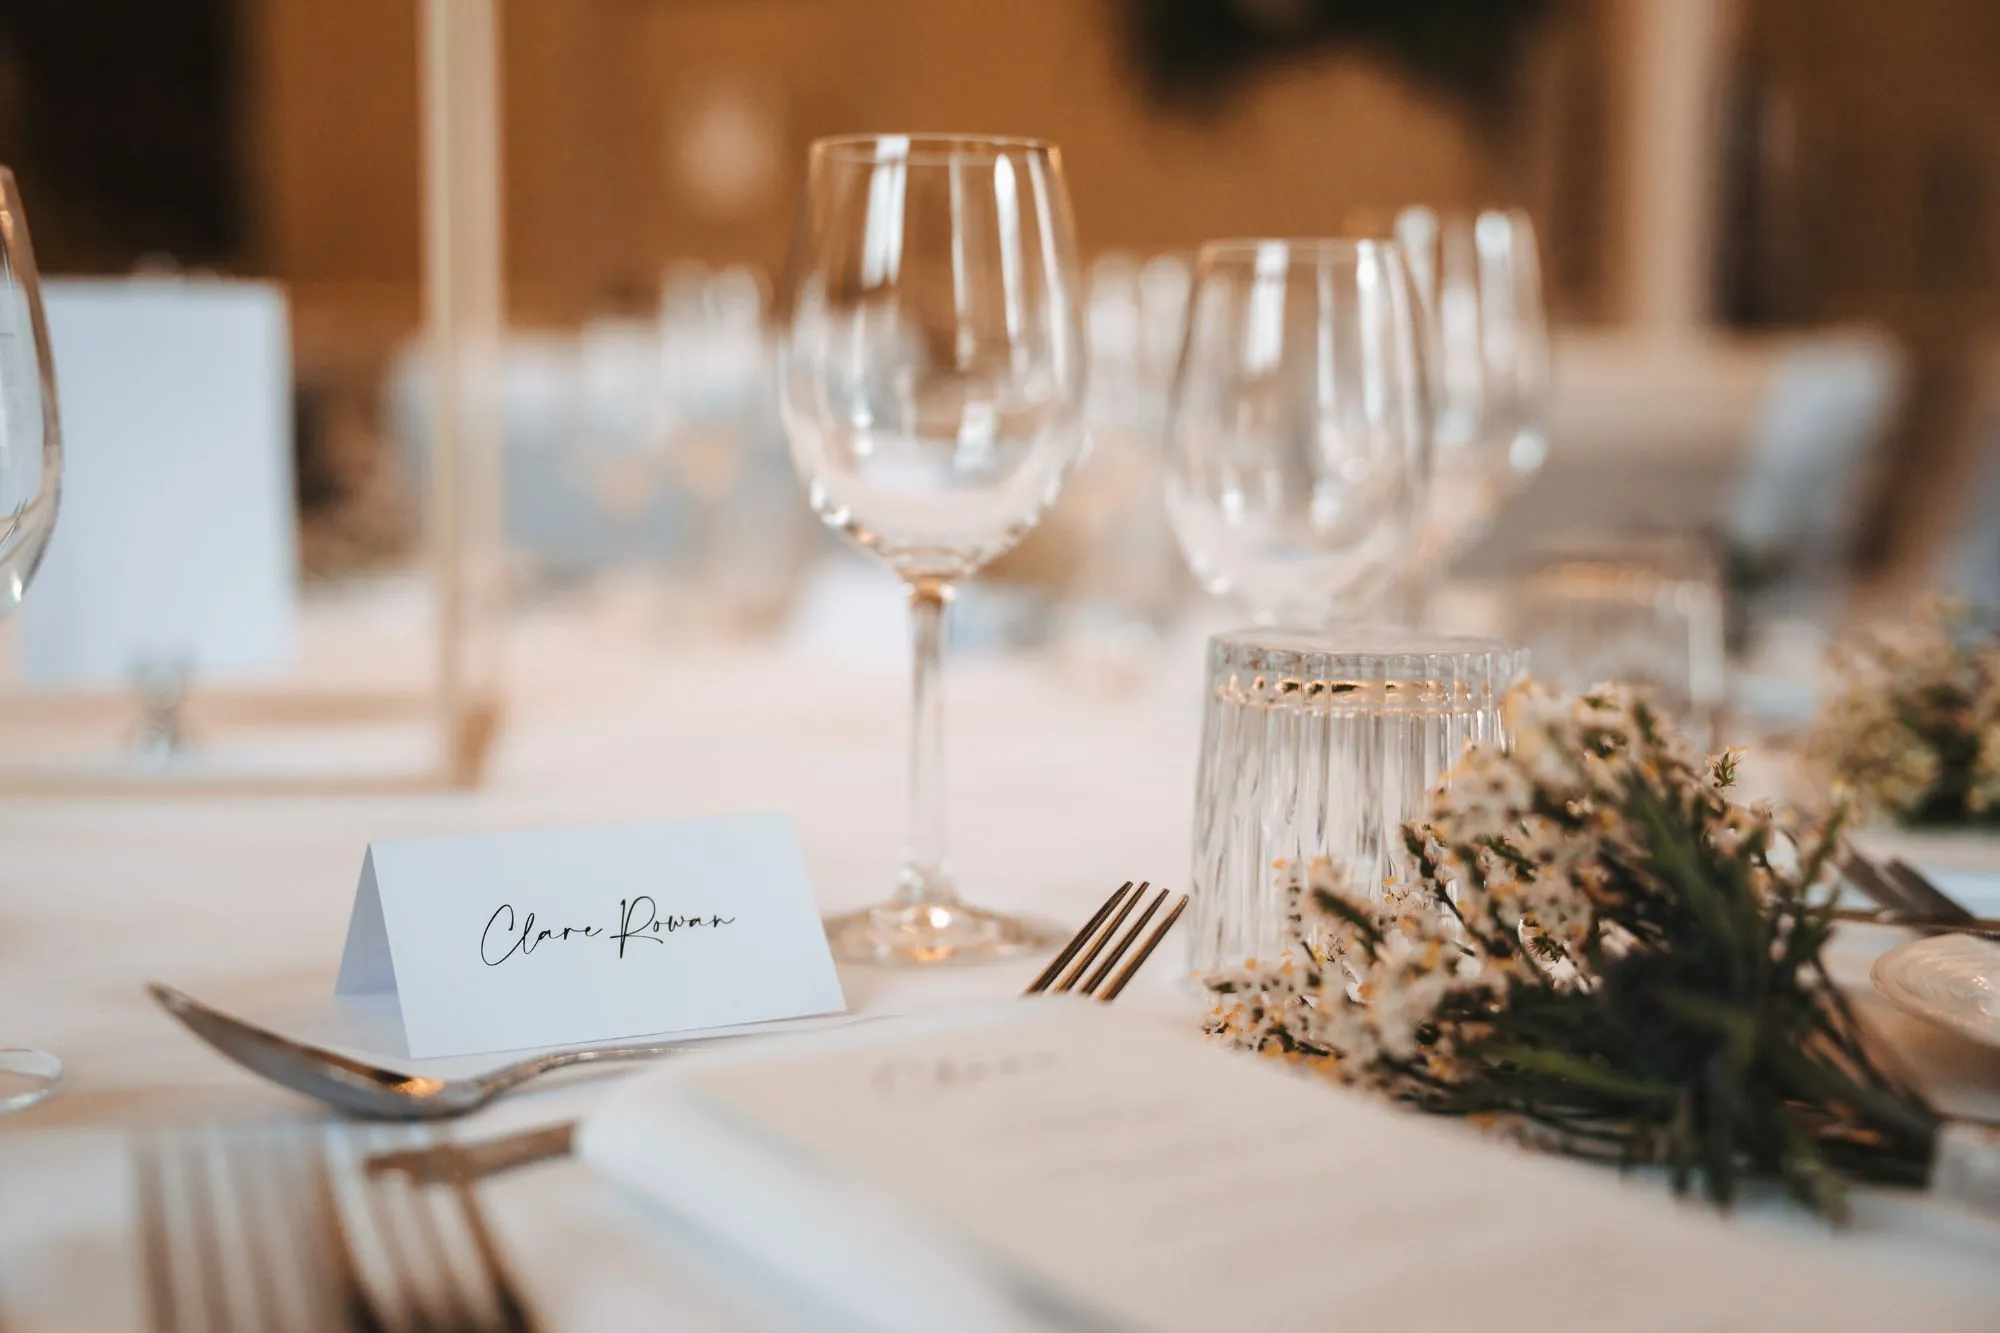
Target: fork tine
[1082, 965]
[1125, 942]
[459, 1308]
[463, 1305]
[1076, 941]
[1873, 881]
[1145, 952]
[406, 1300]
[200, 1192]
[155, 1237]
[514, 1315]
[249, 1182]
[1934, 903]
[360, 1313]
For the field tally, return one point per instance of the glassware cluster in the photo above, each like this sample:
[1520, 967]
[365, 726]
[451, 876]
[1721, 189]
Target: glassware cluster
[643, 455]
[932, 388]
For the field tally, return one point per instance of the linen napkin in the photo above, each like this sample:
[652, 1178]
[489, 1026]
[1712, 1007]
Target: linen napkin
[1060, 1165]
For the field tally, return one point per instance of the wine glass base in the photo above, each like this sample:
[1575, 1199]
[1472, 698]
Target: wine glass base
[925, 934]
[26, 1077]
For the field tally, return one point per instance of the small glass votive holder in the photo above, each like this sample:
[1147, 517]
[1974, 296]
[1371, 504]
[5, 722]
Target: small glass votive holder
[1321, 745]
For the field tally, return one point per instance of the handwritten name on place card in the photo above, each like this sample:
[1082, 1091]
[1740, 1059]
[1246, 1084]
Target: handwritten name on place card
[549, 937]
[638, 919]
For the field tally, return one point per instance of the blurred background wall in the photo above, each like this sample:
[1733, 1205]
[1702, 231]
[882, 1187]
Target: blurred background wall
[641, 130]
[1742, 163]
[1862, 149]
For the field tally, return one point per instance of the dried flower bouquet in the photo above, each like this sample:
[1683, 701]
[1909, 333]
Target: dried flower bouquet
[1596, 949]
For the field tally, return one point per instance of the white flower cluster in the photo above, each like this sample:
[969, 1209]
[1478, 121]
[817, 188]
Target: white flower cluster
[1913, 734]
[1512, 883]
[1361, 994]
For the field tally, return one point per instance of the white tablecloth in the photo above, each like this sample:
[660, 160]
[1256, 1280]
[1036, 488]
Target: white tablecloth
[1062, 785]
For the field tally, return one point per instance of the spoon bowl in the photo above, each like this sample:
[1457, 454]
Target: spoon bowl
[369, 1090]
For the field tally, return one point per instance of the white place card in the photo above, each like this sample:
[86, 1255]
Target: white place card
[177, 546]
[549, 937]
[1059, 1165]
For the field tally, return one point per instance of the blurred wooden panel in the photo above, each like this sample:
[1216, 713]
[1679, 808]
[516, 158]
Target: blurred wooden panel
[638, 131]
[1558, 159]
[1890, 193]
[1896, 117]
[333, 121]
[1305, 149]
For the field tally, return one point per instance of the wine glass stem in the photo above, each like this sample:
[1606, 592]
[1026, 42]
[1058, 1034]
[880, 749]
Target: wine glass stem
[926, 878]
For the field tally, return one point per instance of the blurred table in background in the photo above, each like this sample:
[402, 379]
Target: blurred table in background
[1761, 440]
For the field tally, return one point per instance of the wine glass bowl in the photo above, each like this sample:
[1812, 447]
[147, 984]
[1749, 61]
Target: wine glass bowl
[30, 475]
[30, 439]
[1296, 440]
[934, 364]
[1478, 281]
[932, 388]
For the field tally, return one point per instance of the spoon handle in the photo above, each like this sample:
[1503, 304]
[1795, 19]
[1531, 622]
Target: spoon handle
[500, 1080]
[512, 1076]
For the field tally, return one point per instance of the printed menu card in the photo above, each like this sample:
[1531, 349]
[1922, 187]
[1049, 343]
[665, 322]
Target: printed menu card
[1062, 1165]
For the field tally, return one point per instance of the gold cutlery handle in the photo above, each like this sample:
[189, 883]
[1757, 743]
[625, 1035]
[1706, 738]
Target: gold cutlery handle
[445, 1163]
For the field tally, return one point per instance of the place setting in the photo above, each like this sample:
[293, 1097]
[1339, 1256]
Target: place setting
[1474, 704]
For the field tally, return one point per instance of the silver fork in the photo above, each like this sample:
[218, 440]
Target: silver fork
[1906, 897]
[430, 1258]
[232, 1238]
[1073, 960]
[250, 1230]
[1084, 964]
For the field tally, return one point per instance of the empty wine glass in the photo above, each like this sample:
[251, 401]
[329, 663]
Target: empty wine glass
[1478, 281]
[932, 387]
[1296, 437]
[30, 473]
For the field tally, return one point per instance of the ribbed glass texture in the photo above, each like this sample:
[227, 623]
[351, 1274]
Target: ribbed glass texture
[1323, 744]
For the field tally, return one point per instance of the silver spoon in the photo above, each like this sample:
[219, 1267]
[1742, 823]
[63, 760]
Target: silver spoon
[387, 1094]
[365, 1089]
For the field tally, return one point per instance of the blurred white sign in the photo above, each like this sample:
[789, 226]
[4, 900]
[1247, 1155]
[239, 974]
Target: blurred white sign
[177, 543]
